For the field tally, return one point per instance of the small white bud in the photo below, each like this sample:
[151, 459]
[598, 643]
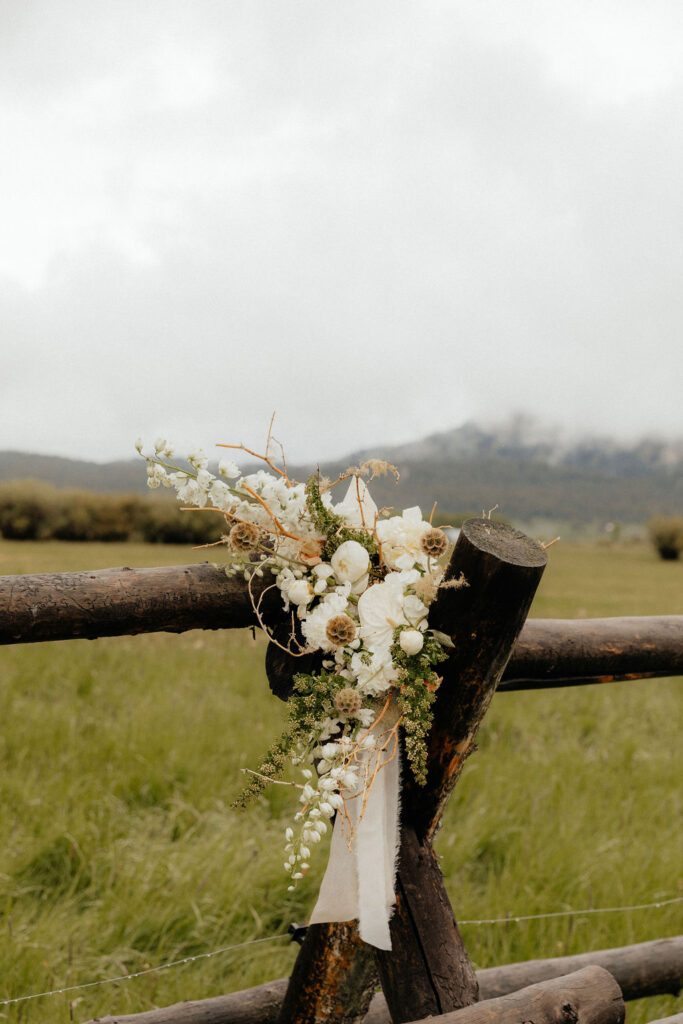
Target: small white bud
[411, 641]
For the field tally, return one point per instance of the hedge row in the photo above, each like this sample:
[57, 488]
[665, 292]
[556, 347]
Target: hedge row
[666, 533]
[33, 510]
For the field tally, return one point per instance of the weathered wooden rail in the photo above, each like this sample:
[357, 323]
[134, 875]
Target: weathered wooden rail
[645, 969]
[120, 602]
[428, 971]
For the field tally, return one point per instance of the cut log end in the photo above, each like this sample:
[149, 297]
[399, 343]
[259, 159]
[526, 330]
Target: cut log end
[504, 542]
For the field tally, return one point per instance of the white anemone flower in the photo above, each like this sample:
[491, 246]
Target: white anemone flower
[350, 561]
[384, 606]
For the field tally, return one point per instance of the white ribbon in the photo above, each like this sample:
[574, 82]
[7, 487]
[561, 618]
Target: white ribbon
[359, 880]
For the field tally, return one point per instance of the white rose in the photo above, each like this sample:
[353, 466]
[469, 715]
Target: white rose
[411, 640]
[300, 592]
[350, 561]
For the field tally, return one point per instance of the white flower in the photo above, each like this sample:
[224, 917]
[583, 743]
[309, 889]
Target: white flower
[197, 458]
[300, 592]
[360, 585]
[380, 610]
[400, 538]
[411, 640]
[314, 626]
[228, 469]
[373, 678]
[357, 509]
[156, 475]
[220, 495]
[138, 445]
[159, 444]
[350, 561]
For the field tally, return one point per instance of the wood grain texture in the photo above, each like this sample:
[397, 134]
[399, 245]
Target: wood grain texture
[428, 966]
[502, 568]
[569, 652]
[117, 602]
[258, 1005]
[644, 969]
[589, 996]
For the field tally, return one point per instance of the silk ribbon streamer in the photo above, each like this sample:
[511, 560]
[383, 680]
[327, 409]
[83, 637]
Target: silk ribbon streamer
[360, 875]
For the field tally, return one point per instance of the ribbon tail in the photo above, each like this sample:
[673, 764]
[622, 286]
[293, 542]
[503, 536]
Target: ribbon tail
[359, 880]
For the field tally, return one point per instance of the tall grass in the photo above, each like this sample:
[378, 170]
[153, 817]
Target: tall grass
[120, 759]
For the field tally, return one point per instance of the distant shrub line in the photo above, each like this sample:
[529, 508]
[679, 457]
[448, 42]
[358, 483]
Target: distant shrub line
[33, 510]
[666, 533]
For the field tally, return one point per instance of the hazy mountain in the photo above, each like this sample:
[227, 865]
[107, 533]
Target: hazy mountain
[522, 439]
[127, 475]
[527, 470]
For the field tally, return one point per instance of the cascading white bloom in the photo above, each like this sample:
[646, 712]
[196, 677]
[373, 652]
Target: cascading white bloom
[348, 607]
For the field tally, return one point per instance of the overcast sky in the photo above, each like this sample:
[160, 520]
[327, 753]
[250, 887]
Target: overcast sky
[379, 219]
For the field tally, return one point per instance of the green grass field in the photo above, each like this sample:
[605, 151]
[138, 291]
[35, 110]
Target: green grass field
[120, 758]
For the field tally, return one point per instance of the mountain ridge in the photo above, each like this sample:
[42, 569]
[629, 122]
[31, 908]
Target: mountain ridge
[527, 471]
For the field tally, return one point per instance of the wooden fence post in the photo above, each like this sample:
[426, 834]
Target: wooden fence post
[428, 970]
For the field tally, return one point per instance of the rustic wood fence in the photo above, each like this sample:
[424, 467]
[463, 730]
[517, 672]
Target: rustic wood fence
[428, 972]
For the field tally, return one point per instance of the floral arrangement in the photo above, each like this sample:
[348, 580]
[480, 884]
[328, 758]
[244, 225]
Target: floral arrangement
[356, 583]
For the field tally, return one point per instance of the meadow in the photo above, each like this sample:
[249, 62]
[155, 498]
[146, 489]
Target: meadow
[120, 758]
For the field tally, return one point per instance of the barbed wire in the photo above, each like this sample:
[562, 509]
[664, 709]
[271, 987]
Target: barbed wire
[285, 935]
[573, 913]
[147, 970]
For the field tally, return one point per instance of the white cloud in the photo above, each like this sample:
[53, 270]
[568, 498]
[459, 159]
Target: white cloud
[377, 220]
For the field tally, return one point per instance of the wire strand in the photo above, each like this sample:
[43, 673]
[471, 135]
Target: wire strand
[573, 913]
[285, 935]
[148, 970]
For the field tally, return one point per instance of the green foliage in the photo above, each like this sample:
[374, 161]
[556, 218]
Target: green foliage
[418, 683]
[666, 533]
[332, 525]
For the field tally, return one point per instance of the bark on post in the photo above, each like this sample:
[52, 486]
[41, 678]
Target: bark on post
[502, 569]
[428, 970]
